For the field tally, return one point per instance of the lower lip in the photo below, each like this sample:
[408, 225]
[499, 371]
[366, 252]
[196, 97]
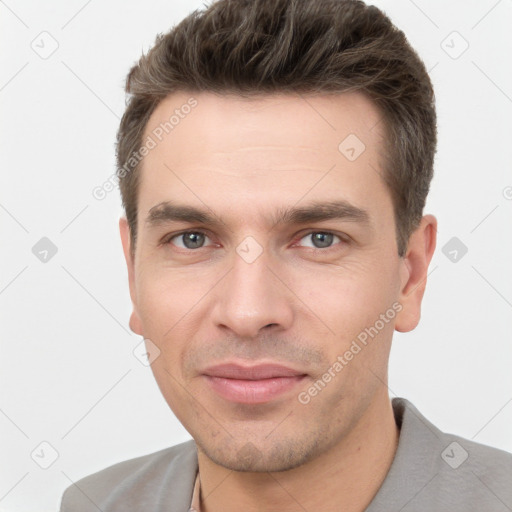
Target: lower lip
[253, 391]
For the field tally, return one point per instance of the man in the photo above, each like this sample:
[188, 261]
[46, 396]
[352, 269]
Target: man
[274, 160]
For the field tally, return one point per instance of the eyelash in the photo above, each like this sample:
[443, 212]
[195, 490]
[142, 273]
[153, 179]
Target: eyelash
[343, 240]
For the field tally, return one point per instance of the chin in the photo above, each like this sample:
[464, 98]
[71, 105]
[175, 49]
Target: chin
[245, 456]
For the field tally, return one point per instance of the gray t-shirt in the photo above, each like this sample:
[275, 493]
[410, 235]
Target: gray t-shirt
[431, 472]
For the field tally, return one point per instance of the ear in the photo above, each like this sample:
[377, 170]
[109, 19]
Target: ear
[420, 250]
[124, 229]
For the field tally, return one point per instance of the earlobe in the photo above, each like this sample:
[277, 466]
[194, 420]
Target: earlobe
[135, 323]
[414, 271]
[124, 229]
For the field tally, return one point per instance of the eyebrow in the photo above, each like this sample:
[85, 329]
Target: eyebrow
[316, 211]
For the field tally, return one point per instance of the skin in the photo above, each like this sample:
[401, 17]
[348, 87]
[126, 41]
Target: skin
[296, 305]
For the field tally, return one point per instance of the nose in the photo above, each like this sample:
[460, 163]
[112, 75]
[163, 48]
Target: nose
[252, 298]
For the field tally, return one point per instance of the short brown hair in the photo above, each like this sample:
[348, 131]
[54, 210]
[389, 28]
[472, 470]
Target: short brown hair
[299, 46]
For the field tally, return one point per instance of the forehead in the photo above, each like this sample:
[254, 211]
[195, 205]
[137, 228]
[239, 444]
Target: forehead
[244, 154]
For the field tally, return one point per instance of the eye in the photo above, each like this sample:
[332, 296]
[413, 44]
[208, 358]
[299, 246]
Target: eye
[320, 239]
[188, 240]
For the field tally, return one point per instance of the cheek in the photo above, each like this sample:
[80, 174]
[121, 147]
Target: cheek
[173, 305]
[164, 300]
[166, 295]
[349, 297]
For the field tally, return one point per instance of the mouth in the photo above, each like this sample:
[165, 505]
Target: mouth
[255, 384]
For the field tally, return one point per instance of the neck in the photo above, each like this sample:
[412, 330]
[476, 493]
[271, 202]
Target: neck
[350, 473]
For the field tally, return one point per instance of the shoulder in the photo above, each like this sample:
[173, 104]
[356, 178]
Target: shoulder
[142, 483]
[447, 471]
[476, 473]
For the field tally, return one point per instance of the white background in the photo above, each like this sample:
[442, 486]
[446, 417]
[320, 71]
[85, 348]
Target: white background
[68, 375]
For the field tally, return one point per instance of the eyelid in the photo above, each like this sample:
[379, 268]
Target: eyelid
[344, 239]
[166, 240]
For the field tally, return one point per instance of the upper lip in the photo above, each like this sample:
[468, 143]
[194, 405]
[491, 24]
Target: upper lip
[253, 372]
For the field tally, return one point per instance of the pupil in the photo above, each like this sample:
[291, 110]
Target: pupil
[322, 239]
[193, 240]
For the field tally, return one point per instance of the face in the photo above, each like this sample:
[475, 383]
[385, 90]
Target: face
[266, 253]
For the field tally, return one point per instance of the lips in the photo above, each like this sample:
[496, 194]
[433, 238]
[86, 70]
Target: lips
[255, 384]
[257, 372]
